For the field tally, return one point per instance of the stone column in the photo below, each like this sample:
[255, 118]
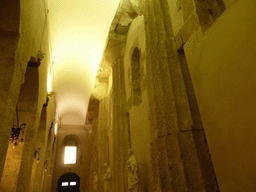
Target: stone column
[101, 142]
[115, 180]
[120, 129]
[41, 142]
[46, 174]
[28, 154]
[126, 140]
[179, 150]
[94, 152]
[9, 87]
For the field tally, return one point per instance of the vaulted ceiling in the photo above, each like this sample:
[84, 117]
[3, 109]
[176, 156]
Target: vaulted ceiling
[78, 32]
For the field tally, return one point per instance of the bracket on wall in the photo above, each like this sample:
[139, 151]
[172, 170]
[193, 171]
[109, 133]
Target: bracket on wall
[51, 126]
[48, 98]
[36, 155]
[33, 62]
[47, 101]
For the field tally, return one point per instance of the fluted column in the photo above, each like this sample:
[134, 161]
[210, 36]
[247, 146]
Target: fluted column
[176, 142]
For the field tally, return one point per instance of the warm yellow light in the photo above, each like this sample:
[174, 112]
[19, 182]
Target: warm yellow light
[72, 183]
[56, 128]
[64, 184]
[78, 31]
[70, 155]
[49, 84]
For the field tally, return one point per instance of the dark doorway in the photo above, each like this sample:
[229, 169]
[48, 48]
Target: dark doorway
[69, 182]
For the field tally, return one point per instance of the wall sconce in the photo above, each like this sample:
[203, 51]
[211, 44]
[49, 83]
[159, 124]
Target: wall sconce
[17, 131]
[50, 94]
[45, 165]
[51, 126]
[33, 62]
[46, 102]
[36, 155]
[48, 98]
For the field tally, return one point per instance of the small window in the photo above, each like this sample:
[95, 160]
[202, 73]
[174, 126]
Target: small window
[64, 184]
[70, 155]
[72, 183]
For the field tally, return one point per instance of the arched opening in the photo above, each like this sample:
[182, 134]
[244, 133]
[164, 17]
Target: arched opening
[69, 182]
[25, 113]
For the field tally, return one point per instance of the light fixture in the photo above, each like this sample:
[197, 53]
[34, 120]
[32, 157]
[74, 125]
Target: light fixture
[49, 95]
[33, 62]
[36, 155]
[45, 166]
[17, 131]
[47, 101]
[55, 128]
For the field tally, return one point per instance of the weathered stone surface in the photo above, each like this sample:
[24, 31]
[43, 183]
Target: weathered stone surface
[179, 42]
[125, 19]
[121, 29]
[175, 166]
[150, 107]
[188, 8]
[196, 161]
[190, 25]
[10, 17]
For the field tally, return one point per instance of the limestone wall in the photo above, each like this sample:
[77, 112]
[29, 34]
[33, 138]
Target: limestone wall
[188, 15]
[139, 126]
[222, 67]
[228, 3]
[151, 108]
[23, 33]
[80, 135]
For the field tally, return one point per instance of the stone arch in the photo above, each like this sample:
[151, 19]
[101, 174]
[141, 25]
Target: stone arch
[26, 113]
[71, 139]
[28, 97]
[27, 108]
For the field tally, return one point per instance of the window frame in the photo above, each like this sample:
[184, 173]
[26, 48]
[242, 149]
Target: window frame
[67, 160]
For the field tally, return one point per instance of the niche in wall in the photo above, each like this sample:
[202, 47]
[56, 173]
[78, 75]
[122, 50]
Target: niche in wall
[136, 86]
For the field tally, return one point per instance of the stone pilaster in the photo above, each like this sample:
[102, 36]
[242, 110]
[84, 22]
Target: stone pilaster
[28, 154]
[120, 130]
[176, 143]
[9, 87]
[41, 142]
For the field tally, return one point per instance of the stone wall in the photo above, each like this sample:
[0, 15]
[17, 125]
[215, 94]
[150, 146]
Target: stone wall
[23, 33]
[173, 62]
[152, 105]
[80, 134]
[138, 102]
[221, 64]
